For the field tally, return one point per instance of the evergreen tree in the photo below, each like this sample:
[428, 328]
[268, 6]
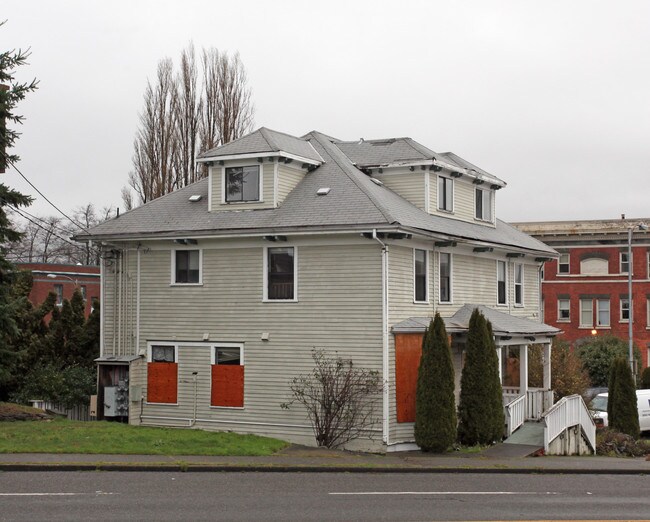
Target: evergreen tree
[480, 411]
[11, 93]
[645, 379]
[622, 412]
[435, 405]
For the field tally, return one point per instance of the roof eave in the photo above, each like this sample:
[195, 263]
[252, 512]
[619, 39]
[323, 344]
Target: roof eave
[254, 155]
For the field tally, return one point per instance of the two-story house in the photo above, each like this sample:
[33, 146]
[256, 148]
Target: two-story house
[215, 295]
[586, 291]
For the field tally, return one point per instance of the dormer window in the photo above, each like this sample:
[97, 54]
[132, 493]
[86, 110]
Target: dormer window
[242, 184]
[445, 194]
[483, 204]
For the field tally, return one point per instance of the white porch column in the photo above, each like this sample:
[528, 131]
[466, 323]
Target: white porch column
[523, 369]
[547, 366]
[500, 357]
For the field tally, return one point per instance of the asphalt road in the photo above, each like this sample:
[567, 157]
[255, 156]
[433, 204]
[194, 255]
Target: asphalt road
[319, 496]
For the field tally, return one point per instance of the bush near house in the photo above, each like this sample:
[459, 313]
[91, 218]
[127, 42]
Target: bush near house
[622, 412]
[598, 353]
[480, 411]
[645, 379]
[568, 376]
[612, 443]
[435, 406]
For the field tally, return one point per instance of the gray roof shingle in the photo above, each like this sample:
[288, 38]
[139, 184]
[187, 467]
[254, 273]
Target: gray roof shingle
[354, 201]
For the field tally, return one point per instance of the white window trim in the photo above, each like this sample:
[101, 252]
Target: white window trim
[426, 276]
[173, 265]
[580, 323]
[609, 322]
[490, 193]
[150, 344]
[55, 286]
[451, 279]
[620, 310]
[223, 185]
[559, 316]
[213, 348]
[629, 263]
[514, 275]
[568, 263]
[453, 194]
[505, 263]
[265, 279]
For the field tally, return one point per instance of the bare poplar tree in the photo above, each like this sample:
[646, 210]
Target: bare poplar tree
[183, 116]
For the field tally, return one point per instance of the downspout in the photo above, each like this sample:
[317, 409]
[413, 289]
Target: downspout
[137, 306]
[384, 328]
[102, 281]
[540, 298]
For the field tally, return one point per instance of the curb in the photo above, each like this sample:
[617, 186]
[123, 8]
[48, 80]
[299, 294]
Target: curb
[198, 468]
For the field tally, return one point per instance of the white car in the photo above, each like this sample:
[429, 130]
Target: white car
[598, 409]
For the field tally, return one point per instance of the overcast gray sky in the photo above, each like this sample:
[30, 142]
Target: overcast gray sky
[553, 97]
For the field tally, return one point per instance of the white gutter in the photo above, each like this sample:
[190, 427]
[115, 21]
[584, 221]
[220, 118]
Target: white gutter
[384, 328]
[137, 308]
[102, 282]
[255, 155]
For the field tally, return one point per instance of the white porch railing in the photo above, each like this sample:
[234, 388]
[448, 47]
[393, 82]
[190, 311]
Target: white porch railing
[515, 411]
[537, 400]
[569, 412]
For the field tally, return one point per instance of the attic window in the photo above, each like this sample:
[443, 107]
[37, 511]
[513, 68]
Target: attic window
[377, 182]
[195, 197]
[323, 191]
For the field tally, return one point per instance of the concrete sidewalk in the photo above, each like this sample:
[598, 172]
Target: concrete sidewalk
[304, 459]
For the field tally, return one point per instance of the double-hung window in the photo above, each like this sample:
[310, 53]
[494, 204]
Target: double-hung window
[586, 313]
[625, 263]
[445, 194]
[227, 375]
[445, 277]
[563, 310]
[563, 264]
[420, 294]
[280, 274]
[502, 275]
[602, 309]
[186, 267]
[58, 289]
[242, 184]
[625, 310]
[519, 285]
[483, 200]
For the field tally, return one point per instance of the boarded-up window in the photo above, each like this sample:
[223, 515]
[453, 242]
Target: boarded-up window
[227, 377]
[162, 382]
[408, 351]
[594, 266]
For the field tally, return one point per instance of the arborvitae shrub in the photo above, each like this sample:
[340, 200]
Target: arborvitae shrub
[645, 379]
[480, 411]
[435, 405]
[622, 412]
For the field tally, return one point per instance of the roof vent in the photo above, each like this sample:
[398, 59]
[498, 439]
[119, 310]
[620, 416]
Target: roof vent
[377, 182]
[196, 197]
[323, 191]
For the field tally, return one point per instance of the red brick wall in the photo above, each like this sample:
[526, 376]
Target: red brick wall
[613, 285]
[87, 276]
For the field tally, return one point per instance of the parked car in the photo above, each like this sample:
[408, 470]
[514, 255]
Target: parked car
[598, 409]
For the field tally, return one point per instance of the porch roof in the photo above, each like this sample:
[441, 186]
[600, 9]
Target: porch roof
[503, 324]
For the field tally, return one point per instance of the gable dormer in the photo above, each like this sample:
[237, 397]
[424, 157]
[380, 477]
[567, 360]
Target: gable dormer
[441, 184]
[257, 171]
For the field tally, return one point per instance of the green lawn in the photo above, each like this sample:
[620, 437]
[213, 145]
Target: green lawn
[64, 436]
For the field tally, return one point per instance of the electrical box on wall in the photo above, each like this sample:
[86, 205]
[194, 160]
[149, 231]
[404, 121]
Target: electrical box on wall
[116, 399]
[135, 394]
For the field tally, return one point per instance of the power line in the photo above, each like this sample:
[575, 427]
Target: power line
[44, 197]
[48, 223]
[46, 230]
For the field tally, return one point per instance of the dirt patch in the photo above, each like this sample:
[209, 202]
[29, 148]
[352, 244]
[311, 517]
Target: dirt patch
[10, 412]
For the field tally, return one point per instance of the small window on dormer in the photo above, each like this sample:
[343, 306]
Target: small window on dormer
[242, 184]
[445, 194]
[483, 200]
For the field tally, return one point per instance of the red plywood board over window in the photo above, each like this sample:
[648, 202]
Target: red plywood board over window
[162, 382]
[227, 385]
[408, 351]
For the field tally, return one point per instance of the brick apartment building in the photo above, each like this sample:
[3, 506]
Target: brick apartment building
[62, 280]
[585, 291]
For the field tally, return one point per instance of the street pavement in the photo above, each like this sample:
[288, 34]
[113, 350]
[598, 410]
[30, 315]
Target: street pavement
[497, 459]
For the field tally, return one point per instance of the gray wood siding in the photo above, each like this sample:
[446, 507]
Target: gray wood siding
[216, 187]
[288, 177]
[339, 309]
[409, 185]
